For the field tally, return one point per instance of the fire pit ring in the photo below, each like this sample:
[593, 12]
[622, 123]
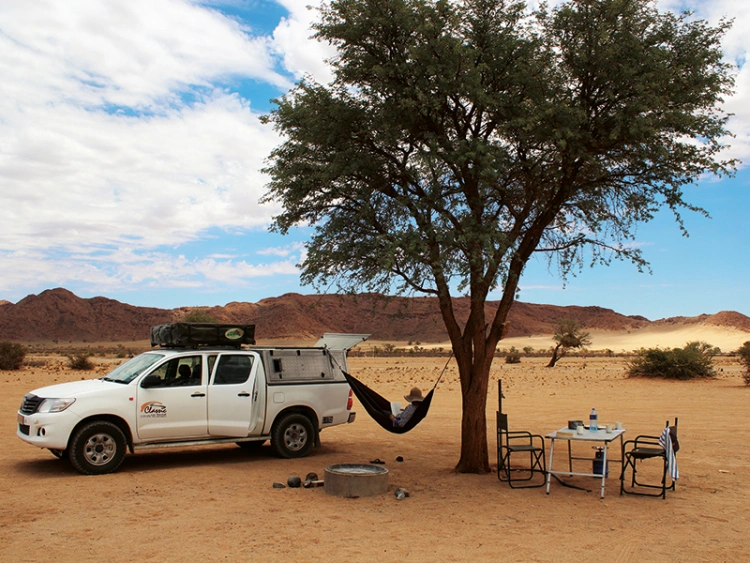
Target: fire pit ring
[351, 480]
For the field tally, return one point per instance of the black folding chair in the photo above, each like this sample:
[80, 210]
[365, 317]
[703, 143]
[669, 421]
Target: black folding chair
[523, 444]
[663, 448]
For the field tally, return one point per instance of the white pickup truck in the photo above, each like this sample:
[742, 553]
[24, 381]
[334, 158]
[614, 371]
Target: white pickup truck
[190, 396]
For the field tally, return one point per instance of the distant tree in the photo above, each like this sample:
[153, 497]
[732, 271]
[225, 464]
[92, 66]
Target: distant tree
[12, 355]
[198, 316]
[744, 353]
[528, 350]
[457, 139]
[568, 334]
[694, 361]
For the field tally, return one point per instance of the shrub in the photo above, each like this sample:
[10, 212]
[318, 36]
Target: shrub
[80, 361]
[12, 355]
[694, 361]
[199, 316]
[744, 354]
[513, 356]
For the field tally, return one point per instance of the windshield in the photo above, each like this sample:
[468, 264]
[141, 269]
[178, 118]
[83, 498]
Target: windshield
[128, 371]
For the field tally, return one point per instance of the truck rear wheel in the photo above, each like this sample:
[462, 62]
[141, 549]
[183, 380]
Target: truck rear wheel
[292, 436]
[97, 448]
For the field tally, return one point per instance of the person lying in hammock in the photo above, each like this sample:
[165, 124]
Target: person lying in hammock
[414, 398]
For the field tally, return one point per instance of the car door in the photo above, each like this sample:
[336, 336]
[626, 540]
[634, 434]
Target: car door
[176, 408]
[233, 395]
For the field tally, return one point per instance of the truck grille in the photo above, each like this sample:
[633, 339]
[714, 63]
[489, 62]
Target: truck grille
[30, 404]
[24, 428]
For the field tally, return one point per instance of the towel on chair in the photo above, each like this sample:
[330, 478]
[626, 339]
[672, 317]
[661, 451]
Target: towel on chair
[665, 441]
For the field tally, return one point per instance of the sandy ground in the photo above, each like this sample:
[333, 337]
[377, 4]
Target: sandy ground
[217, 503]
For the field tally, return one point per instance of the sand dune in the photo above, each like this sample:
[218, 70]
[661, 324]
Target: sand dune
[728, 339]
[621, 341]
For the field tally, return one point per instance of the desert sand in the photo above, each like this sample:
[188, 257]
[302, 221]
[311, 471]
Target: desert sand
[216, 503]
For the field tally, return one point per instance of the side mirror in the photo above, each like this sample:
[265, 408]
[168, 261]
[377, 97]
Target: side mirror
[152, 381]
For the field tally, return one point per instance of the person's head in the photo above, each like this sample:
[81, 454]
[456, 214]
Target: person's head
[415, 396]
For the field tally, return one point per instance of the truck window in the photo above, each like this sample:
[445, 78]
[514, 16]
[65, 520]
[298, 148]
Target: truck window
[233, 370]
[180, 372]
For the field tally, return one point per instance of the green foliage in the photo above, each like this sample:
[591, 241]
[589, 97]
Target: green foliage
[452, 143]
[80, 361]
[12, 355]
[570, 334]
[458, 139]
[744, 353]
[694, 361]
[513, 356]
[198, 316]
[528, 350]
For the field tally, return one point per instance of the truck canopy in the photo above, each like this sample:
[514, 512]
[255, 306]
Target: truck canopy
[338, 341]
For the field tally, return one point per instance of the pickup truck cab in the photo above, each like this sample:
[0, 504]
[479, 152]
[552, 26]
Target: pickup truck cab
[190, 396]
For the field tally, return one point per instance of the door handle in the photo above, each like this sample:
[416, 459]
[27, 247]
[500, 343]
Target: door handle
[243, 394]
[198, 395]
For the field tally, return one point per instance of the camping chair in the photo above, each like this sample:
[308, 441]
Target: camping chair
[664, 448]
[518, 442]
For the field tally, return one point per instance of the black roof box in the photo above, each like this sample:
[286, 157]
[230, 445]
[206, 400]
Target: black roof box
[192, 335]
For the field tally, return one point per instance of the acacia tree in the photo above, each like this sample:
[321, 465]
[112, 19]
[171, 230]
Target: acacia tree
[457, 139]
[568, 334]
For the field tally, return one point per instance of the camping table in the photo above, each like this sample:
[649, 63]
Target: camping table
[600, 435]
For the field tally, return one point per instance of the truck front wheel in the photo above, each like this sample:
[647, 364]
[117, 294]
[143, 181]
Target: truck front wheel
[292, 436]
[97, 448]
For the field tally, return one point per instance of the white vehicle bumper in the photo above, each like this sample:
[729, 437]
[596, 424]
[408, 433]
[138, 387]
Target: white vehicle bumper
[46, 430]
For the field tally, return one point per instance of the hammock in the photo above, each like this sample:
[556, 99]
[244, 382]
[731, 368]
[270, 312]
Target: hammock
[380, 409]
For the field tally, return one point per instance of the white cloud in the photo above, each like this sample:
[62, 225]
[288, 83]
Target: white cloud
[123, 270]
[281, 250]
[736, 45]
[136, 53]
[292, 41]
[114, 133]
[118, 138]
[73, 177]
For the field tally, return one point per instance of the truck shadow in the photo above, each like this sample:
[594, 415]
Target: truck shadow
[156, 460]
[167, 460]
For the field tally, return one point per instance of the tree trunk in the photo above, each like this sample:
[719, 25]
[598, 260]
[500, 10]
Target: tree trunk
[555, 357]
[474, 386]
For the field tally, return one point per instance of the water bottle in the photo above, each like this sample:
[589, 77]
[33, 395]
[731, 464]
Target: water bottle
[593, 421]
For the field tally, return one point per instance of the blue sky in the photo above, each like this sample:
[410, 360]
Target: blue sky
[131, 149]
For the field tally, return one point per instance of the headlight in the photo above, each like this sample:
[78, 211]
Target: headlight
[55, 405]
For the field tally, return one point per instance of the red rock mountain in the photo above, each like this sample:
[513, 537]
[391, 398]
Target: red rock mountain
[58, 314]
